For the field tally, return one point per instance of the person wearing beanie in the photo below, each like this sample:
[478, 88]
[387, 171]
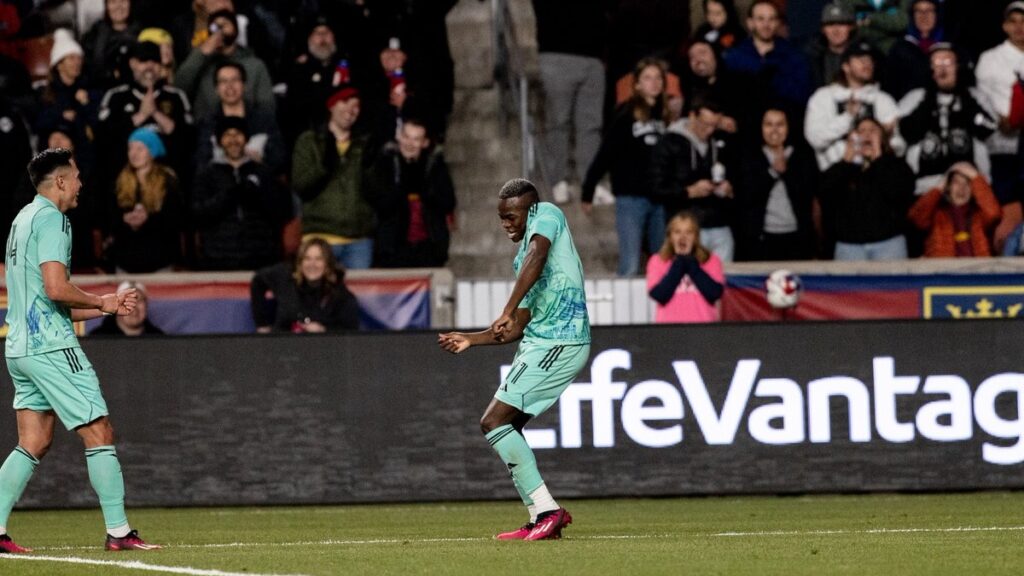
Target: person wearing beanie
[238, 206]
[264, 144]
[330, 173]
[195, 75]
[146, 219]
[838, 31]
[906, 67]
[107, 43]
[316, 74]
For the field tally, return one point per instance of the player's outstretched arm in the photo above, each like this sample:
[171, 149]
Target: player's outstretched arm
[456, 342]
[60, 290]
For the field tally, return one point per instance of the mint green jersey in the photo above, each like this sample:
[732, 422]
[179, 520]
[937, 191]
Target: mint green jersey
[557, 302]
[40, 233]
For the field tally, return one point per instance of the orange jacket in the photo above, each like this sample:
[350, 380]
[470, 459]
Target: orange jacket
[931, 212]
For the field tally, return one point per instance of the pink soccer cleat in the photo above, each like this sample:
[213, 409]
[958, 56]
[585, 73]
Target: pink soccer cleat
[7, 546]
[129, 542]
[517, 534]
[549, 525]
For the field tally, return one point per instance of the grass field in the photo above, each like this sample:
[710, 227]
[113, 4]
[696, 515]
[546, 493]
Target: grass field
[973, 533]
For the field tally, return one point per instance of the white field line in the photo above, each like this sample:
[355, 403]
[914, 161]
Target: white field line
[127, 565]
[592, 537]
[874, 531]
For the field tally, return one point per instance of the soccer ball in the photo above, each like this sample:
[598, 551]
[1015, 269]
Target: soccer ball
[782, 289]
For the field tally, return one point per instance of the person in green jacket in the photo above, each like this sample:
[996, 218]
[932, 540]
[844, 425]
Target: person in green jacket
[330, 167]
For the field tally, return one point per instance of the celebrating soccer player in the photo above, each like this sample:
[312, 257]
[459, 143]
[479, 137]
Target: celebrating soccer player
[52, 377]
[548, 310]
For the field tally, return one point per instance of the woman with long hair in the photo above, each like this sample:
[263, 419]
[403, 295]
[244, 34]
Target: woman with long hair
[721, 28]
[625, 153]
[106, 44]
[145, 226]
[305, 296]
[684, 277]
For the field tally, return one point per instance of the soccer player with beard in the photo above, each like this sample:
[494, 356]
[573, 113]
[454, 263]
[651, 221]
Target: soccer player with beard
[548, 311]
[52, 377]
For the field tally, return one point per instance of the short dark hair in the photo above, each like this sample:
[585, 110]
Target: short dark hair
[756, 3]
[517, 187]
[417, 121]
[47, 162]
[705, 102]
[230, 64]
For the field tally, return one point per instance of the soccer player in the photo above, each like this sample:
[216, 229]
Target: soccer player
[52, 377]
[548, 310]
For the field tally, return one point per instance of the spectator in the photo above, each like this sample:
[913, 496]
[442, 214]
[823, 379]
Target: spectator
[67, 101]
[834, 109]
[880, 22]
[626, 153]
[943, 123]
[907, 66]
[195, 75]
[238, 206]
[329, 168]
[165, 41]
[772, 68]
[865, 197]
[825, 52]
[997, 72]
[314, 76]
[264, 143]
[689, 172]
[416, 199]
[144, 229]
[108, 43]
[145, 101]
[17, 146]
[684, 277]
[135, 324]
[572, 40]
[306, 296]
[775, 196]
[958, 216]
[721, 27]
[707, 79]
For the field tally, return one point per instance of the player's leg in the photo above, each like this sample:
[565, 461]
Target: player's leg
[71, 386]
[35, 434]
[502, 425]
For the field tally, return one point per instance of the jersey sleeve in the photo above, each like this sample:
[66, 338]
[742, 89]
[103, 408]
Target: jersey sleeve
[548, 223]
[53, 237]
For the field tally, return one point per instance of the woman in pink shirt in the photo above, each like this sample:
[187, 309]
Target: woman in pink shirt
[684, 277]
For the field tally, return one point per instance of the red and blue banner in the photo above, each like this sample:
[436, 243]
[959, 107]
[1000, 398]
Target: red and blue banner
[959, 296]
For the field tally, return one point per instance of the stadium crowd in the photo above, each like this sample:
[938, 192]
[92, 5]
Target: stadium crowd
[894, 132]
[220, 135]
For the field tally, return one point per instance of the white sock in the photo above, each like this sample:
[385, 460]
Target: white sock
[533, 513]
[542, 500]
[3, 529]
[120, 531]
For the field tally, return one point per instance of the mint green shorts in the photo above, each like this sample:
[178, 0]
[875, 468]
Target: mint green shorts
[63, 381]
[540, 373]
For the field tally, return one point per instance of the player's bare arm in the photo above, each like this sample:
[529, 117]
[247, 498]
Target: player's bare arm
[456, 342]
[533, 266]
[85, 305]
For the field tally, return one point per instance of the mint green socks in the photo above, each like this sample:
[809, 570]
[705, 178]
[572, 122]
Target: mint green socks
[517, 455]
[106, 479]
[14, 476]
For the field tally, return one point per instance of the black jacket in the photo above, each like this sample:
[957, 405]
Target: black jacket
[239, 213]
[676, 164]
[867, 205]
[754, 185]
[626, 153]
[396, 180]
[290, 303]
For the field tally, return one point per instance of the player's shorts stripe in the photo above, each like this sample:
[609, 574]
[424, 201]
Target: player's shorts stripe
[72, 360]
[552, 356]
[546, 357]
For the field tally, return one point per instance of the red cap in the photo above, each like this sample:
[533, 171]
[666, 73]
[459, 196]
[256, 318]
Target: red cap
[342, 95]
